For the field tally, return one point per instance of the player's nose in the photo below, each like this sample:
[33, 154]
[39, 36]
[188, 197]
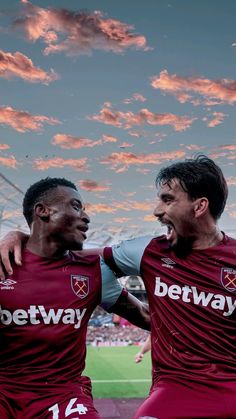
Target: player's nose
[159, 209]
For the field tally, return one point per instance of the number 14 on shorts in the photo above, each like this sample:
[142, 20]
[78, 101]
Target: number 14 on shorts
[71, 408]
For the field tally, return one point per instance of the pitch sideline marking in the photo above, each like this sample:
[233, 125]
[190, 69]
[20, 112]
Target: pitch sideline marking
[122, 381]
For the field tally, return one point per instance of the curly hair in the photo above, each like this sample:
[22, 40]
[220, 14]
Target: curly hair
[39, 190]
[199, 177]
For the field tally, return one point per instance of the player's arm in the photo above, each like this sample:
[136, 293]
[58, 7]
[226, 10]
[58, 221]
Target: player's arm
[144, 348]
[132, 309]
[125, 258]
[117, 300]
[11, 250]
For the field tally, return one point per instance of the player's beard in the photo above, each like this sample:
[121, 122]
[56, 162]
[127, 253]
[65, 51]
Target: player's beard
[182, 246]
[75, 246]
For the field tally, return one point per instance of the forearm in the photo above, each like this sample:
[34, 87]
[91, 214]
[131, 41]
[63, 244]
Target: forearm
[133, 310]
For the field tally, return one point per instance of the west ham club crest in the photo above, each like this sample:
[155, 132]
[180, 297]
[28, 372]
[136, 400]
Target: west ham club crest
[80, 285]
[228, 279]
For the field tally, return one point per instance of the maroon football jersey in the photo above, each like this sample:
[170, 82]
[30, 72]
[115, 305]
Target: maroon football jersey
[45, 308]
[192, 306]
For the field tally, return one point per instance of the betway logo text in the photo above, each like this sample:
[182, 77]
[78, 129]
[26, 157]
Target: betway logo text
[175, 292]
[38, 314]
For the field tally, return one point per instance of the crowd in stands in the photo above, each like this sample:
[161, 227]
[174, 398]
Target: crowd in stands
[111, 330]
[115, 335]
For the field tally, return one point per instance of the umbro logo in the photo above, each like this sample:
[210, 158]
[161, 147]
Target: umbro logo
[7, 284]
[167, 262]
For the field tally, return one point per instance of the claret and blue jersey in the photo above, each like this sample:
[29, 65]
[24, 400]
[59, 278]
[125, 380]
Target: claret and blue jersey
[45, 309]
[192, 306]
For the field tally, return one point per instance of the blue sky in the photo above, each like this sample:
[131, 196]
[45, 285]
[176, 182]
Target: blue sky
[105, 93]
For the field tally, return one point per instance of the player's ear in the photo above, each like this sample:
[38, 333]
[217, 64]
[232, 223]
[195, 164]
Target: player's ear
[201, 205]
[42, 211]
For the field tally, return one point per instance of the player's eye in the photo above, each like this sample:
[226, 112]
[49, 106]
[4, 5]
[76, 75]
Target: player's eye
[77, 206]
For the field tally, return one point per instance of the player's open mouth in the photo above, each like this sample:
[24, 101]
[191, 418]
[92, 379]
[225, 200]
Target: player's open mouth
[82, 230]
[170, 234]
[170, 231]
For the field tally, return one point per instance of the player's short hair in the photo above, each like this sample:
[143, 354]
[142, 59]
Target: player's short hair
[39, 191]
[199, 177]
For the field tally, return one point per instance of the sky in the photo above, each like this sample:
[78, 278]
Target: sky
[105, 93]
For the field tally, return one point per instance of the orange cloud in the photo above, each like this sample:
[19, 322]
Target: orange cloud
[91, 185]
[118, 205]
[8, 162]
[144, 116]
[221, 91]
[126, 145]
[149, 217]
[77, 32]
[218, 118]
[97, 208]
[192, 147]
[230, 147]
[132, 205]
[124, 160]
[70, 142]
[4, 146]
[18, 65]
[121, 220]
[23, 121]
[109, 139]
[7, 215]
[59, 162]
[217, 155]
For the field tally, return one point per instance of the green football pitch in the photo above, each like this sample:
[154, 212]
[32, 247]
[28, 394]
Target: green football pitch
[114, 373]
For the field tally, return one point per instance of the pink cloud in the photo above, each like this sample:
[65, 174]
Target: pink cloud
[231, 156]
[136, 134]
[226, 150]
[19, 65]
[143, 171]
[193, 147]
[97, 208]
[230, 147]
[138, 97]
[91, 185]
[144, 116]
[123, 160]
[217, 155]
[117, 206]
[218, 118]
[132, 205]
[7, 215]
[149, 217]
[231, 180]
[109, 139]
[4, 146]
[59, 162]
[23, 121]
[222, 90]
[8, 162]
[77, 32]
[135, 97]
[126, 145]
[71, 142]
[121, 220]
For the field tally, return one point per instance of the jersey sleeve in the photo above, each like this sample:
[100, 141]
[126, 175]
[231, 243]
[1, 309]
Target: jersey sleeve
[111, 288]
[125, 257]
